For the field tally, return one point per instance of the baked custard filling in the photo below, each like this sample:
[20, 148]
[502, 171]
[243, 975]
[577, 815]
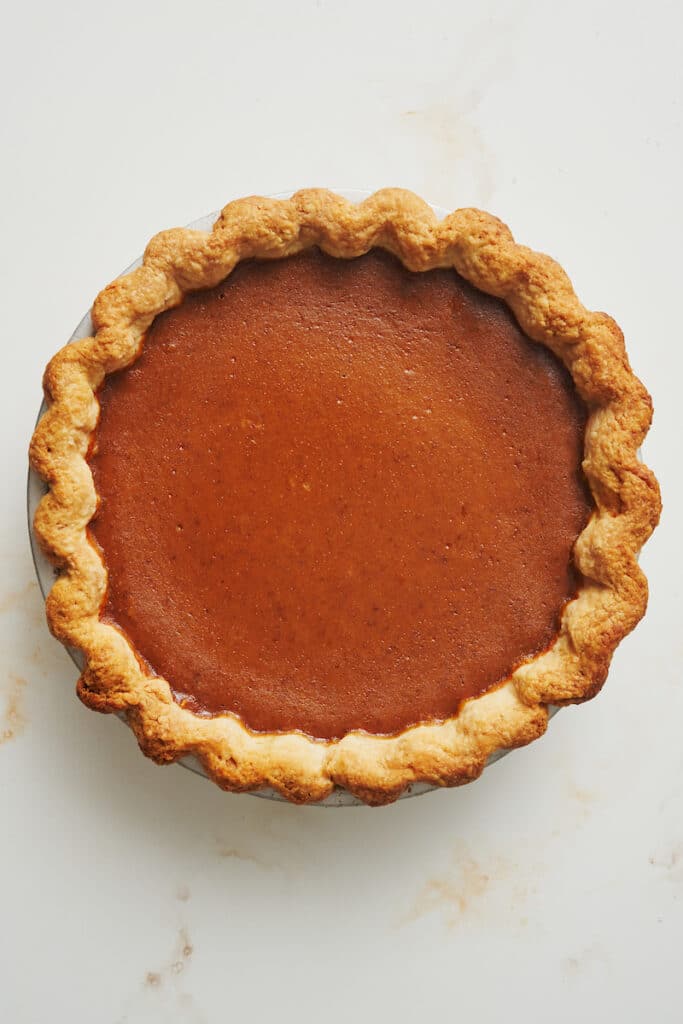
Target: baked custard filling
[338, 495]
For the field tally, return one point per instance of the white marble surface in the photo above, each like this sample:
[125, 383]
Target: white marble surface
[550, 889]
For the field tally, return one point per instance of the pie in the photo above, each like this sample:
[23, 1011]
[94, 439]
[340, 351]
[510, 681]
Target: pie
[343, 495]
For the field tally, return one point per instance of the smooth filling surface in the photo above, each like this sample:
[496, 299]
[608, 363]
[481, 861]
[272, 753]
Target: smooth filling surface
[338, 495]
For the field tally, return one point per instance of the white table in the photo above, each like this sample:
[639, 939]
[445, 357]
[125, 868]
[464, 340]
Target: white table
[552, 888]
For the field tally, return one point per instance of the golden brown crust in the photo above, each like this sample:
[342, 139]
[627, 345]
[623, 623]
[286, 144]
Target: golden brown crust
[613, 594]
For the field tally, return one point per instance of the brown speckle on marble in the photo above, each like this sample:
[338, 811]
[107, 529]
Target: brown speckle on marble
[452, 147]
[669, 858]
[180, 960]
[183, 893]
[234, 853]
[583, 803]
[590, 958]
[457, 892]
[186, 947]
[14, 719]
[583, 796]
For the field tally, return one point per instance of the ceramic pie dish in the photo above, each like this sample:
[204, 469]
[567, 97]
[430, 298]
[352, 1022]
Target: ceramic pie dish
[343, 496]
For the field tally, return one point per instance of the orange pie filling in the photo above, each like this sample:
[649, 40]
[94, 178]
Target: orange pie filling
[338, 495]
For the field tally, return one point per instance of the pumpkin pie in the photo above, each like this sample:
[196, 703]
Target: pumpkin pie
[343, 495]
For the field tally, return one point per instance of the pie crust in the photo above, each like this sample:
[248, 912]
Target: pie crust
[613, 593]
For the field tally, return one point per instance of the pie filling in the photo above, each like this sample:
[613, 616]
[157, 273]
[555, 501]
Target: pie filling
[338, 495]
